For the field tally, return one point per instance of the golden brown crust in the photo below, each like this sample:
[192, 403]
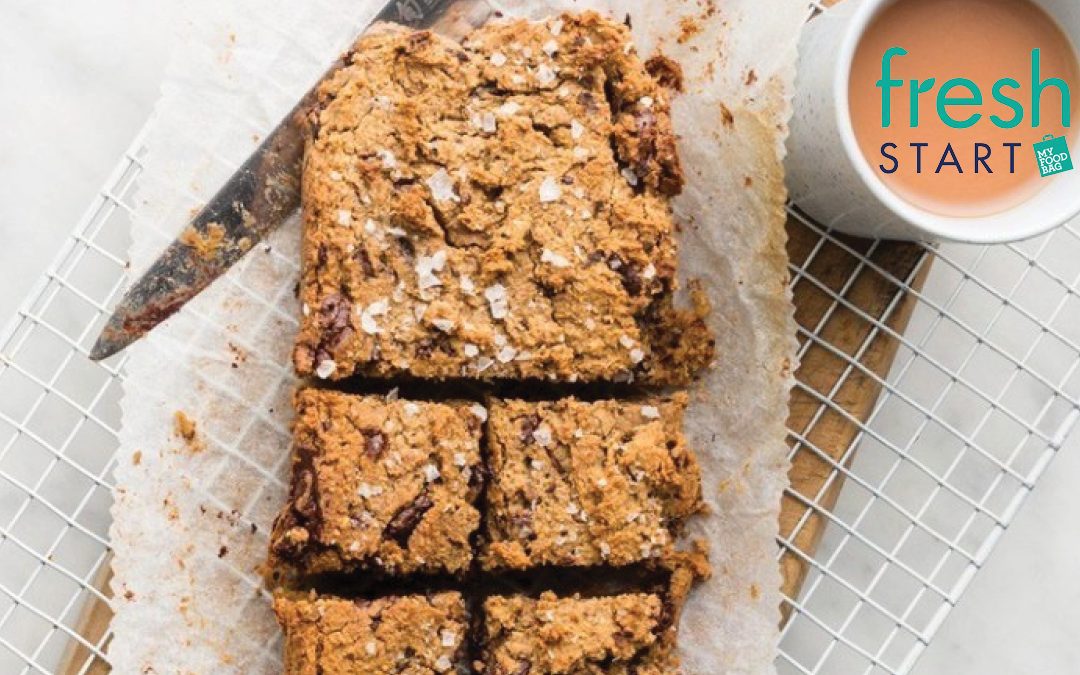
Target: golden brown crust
[577, 483]
[379, 484]
[497, 210]
[418, 635]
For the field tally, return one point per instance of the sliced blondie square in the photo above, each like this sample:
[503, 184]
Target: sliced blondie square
[380, 484]
[577, 483]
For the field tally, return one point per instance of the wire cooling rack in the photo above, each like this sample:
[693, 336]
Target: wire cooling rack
[983, 391]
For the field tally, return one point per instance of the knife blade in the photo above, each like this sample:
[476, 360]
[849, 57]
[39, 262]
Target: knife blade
[256, 199]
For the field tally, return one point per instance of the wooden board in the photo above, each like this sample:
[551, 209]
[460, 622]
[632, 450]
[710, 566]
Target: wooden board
[822, 370]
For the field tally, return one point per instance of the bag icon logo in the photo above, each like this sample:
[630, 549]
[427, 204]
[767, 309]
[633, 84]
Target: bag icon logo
[1053, 156]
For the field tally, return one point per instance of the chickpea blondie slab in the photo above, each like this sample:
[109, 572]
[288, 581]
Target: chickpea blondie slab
[578, 483]
[415, 634]
[379, 484]
[497, 209]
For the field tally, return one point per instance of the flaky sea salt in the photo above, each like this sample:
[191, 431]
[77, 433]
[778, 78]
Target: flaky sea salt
[636, 355]
[371, 648]
[445, 325]
[431, 473]
[467, 285]
[441, 185]
[335, 175]
[368, 324]
[483, 363]
[649, 272]
[508, 109]
[542, 435]
[427, 266]
[545, 75]
[325, 368]
[344, 217]
[410, 408]
[370, 226]
[460, 459]
[388, 159]
[556, 26]
[497, 300]
[553, 259]
[650, 412]
[479, 411]
[506, 354]
[498, 59]
[487, 123]
[549, 190]
[395, 232]
[448, 637]
[629, 175]
[626, 341]
[550, 47]
[366, 490]
[443, 663]
[576, 129]
[645, 101]
[470, 350]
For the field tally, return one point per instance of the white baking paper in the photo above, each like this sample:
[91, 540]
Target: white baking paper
[192, 514]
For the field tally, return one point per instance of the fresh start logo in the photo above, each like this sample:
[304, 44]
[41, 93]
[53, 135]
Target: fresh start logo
[964, 108]
[953, 103]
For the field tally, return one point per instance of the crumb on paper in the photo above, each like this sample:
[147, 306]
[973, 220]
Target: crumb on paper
[688, 28]
[136, 457]
[726, 116]
[239, 354]
[186, 429]
[206, 245]
[667, 72]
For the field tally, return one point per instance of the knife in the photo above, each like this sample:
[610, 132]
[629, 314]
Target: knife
[262, 193]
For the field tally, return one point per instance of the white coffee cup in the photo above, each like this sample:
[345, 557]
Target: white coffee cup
[830, 180]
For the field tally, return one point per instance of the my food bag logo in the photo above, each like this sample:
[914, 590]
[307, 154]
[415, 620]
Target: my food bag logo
[960, 103]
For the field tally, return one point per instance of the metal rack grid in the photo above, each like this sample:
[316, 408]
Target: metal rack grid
[983, 392]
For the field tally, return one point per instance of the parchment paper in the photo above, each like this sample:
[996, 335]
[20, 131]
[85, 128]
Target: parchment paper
[192, 513]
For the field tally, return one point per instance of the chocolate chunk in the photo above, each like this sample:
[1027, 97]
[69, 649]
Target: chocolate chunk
[630, 273]
[529, 424]
[374, 442]
[401, 526]
[303, 510]
[361, 256]
[334, 317]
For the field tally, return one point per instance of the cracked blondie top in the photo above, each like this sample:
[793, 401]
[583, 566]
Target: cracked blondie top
[379, 484]
[578, 483]
[496, 209]
[414, 634]
[611, 635]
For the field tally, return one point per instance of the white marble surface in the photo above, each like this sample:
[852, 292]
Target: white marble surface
[78, 80]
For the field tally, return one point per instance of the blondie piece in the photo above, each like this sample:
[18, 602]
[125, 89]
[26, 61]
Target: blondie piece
[414, 634]
[611, 635]
[580, 483]
[496, 209]
[380, 484]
